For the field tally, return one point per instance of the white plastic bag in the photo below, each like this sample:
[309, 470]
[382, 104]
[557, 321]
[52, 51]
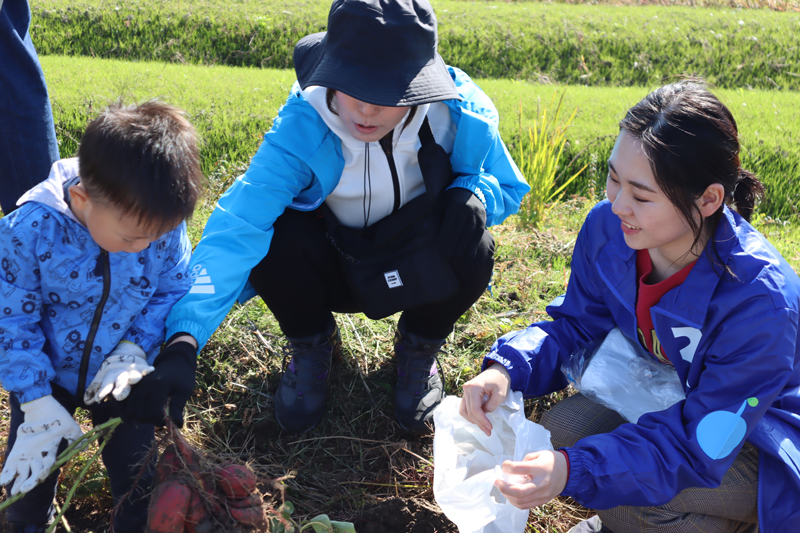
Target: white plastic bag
[622, 376]
[467, 462]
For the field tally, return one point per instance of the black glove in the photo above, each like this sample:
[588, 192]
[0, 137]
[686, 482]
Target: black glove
[463, 223]
[172, 380]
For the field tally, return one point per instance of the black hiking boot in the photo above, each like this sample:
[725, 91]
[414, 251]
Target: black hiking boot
[419, 388]
[300, 398]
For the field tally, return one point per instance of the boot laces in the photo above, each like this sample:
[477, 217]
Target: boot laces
[309, 365]
[415, 369]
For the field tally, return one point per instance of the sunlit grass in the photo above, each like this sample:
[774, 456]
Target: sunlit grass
[578, 44]
[233, 107]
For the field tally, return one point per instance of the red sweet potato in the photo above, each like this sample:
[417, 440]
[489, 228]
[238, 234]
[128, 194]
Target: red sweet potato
[235, 481]
[249, 516]
[212, 497]
[191, 459]
[254, 500]
[207, 526]
[196, 513]
[208, 482]
[168, 464]
[168, 506]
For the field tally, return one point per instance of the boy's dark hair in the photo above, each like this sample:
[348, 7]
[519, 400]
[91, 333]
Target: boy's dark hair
[143, 159]
[692, 141]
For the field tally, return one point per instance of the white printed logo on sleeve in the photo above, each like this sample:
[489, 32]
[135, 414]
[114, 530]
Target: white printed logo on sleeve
[201, 281]
[393, 279]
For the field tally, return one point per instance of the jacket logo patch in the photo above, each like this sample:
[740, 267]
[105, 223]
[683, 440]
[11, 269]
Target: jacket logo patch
[393, 279]
[720, 432]
[694, 335]
[202, 282]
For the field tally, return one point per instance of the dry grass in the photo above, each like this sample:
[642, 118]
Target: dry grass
[358, 457]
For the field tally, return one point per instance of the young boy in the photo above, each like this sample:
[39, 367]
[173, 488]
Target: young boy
[90, 265]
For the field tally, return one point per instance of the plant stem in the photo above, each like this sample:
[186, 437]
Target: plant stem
[83, 473]
[63, 519]
[71, 451]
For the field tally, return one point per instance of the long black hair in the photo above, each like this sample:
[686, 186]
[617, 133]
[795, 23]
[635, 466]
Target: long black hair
[692, 141]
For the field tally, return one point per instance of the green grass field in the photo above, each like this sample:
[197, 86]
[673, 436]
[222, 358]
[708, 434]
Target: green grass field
[357, 458]
[233, 107]
[606, 57]
[576, 44]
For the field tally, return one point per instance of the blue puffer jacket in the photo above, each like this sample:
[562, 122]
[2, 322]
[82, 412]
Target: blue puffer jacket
[298, 165]
[734, 343]
[67, 303]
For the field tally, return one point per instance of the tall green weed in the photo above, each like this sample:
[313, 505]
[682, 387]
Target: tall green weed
[538, 156]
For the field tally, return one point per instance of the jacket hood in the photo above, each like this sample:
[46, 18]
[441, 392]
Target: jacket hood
[50, 192]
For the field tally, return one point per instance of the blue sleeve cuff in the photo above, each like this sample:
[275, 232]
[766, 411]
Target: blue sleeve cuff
[519, 379]
[578, 475]
[34, 393]
[200, 334]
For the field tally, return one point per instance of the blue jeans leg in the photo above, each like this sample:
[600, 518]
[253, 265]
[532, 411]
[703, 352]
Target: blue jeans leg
[28, 145]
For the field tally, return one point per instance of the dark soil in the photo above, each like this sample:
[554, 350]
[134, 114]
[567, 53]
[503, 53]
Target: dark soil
[397, 515]
[394, 515]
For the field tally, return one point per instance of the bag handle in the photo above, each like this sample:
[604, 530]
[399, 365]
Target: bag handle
[426, 133]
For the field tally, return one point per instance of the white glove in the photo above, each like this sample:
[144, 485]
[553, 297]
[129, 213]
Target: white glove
[125, 366]
[34, 452]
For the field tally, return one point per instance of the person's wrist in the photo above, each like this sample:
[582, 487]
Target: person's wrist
[499, 367]
[44, 407]
[562, 468]
[181, 336]
[182, 350]
[566, 457]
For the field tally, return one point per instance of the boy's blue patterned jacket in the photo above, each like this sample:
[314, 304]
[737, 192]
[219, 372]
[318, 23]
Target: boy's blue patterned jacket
[66, 303]
[734, 343]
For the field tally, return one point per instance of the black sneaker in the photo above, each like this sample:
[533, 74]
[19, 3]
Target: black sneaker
[419, 388]
[300, 398]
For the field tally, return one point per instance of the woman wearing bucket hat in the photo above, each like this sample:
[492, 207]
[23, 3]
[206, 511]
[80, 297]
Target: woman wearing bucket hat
[372, 192]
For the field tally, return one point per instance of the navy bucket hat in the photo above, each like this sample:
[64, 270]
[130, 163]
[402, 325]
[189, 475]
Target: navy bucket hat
[382, 52]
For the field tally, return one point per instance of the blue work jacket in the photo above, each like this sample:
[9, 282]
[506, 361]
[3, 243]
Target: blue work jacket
[297, 166]
[733, 339]
[67, 303]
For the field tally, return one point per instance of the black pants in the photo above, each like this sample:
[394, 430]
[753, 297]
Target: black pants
[302, 282]
[122, 457]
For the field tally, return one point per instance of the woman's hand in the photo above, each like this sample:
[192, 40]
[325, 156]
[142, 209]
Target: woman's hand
[548, 473]
[483, 394]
